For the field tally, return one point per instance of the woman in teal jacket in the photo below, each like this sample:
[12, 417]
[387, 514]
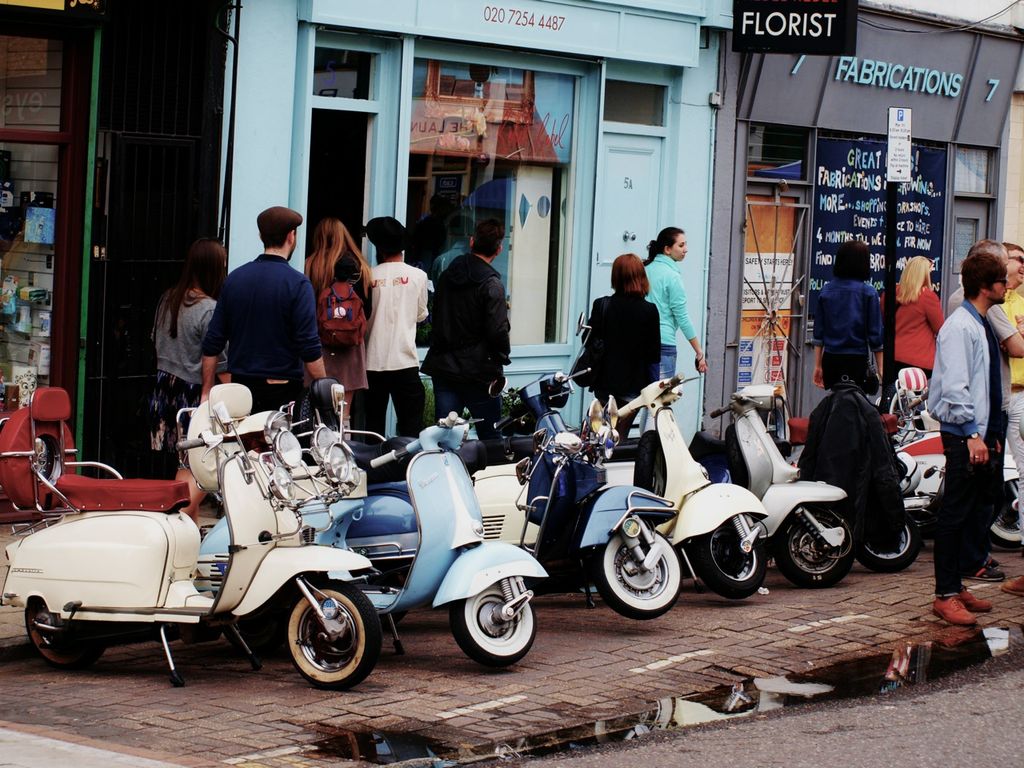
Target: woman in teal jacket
[669, 295]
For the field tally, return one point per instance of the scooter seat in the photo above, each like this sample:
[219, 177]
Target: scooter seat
[508, 450]
[113, 494]
[394, 472]
[706, 444]
[474, 455]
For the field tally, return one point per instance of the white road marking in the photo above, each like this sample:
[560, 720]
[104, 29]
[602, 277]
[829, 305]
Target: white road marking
[256, 756]
[662, 663]
[481, 707]
[826, 622]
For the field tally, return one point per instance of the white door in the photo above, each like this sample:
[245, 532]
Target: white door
[628, 203]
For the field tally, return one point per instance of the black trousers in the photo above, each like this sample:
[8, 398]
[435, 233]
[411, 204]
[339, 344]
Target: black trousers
[405, 389]
[270, 397]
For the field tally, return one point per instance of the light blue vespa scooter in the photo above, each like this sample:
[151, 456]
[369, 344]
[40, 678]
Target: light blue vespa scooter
[425, 537]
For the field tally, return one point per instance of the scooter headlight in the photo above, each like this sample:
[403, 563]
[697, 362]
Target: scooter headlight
[324, 438]
[287, 449]
[277, 422]
[339, 465]
[282, 485]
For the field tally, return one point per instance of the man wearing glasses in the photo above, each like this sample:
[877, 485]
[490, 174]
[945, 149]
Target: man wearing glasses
[966, 396]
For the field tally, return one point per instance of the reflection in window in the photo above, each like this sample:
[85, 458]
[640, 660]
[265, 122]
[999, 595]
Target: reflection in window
[776, 152]
[30, 80]
[495, 142]
[972, 171]
[342, 74]
[965, 234]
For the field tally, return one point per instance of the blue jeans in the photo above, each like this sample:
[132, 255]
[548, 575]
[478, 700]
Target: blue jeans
[666, 367]
[450, 396]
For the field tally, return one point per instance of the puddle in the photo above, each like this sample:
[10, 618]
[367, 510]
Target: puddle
[909, 664]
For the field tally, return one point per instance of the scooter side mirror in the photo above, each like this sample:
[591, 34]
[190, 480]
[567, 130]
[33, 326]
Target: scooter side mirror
[581, 323]
[220, 414]
[613, 411]
[338, 401]
[595, 415]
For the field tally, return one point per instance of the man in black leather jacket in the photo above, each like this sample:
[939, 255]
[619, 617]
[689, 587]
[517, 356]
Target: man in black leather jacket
[469, 342]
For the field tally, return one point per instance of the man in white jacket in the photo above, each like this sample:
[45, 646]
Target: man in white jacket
[965, 395]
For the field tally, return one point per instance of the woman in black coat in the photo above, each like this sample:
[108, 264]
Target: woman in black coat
[629, 326]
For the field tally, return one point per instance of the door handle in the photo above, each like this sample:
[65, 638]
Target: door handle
[628, 236]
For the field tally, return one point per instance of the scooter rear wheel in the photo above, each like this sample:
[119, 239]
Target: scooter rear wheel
[635, 594]
[65, 655]
[347, 661]
[880, 561]
[1005, 530]
[488, 642]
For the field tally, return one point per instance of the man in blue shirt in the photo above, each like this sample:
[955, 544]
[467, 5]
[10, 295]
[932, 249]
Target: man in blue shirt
[266, 316]
[965, 395]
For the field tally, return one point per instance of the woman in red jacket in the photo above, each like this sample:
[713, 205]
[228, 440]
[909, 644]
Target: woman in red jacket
[918, 316]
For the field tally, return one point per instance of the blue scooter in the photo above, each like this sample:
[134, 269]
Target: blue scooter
[587, 531]
[425, 537]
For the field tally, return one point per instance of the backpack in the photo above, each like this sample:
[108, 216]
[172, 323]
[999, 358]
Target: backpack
[340, 316]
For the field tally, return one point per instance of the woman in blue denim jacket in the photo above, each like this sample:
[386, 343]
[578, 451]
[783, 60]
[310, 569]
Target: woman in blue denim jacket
[847, 320]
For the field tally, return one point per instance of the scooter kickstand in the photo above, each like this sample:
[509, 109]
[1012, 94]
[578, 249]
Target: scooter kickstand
[236, 639]
[176, 679]
[698, 585]
[399, 648]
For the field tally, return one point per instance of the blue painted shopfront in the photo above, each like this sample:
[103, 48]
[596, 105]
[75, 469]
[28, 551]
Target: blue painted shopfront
[585, 125]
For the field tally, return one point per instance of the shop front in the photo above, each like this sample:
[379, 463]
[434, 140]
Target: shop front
[584, 126]
[810, 150]
[46, 55]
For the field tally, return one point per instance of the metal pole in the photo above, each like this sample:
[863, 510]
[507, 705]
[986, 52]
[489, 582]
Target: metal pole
[889, 321]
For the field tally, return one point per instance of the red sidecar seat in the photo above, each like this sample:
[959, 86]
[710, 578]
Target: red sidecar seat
[45, 419]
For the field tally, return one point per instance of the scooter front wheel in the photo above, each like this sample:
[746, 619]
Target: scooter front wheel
[491, 641]
[346, 661]
[632, 591]
[1005, 531]
[724, 567]
[62, 655]
[804, 560]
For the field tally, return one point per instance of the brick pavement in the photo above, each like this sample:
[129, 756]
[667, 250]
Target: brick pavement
[585, 666]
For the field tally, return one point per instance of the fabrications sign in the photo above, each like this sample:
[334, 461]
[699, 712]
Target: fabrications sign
[813, 27]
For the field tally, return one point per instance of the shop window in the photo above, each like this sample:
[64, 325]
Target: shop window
[495, 142]
[342, 74]
[637, 103]
[972, 173]
[965, 234]
[28, 188]
[776, 152]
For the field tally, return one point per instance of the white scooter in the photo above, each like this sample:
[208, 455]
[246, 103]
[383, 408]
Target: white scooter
[113, 560]
[811, 542]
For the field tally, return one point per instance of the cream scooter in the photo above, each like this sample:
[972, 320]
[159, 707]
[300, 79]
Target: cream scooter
[113, 560]
[717, 529]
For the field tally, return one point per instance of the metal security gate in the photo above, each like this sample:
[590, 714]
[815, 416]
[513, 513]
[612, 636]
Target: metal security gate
[157, 177]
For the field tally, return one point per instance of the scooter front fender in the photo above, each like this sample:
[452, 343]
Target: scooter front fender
[780, 500]
[713, 505]
[615, 502]
[285, 563]
[479, 567]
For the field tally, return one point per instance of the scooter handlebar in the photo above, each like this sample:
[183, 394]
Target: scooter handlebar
[387, 458]
[187, 445]
[718, 412]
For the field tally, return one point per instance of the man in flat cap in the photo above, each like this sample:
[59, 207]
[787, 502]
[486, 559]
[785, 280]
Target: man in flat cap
[399, 302]
[266, 316]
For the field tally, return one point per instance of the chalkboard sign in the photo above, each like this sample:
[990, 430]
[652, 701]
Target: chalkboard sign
[849, 203]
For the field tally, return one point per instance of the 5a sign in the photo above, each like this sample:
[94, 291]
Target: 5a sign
[812, 27]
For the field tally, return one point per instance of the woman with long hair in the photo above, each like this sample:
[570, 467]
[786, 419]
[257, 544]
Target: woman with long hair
[668, 294]
[847, 320]
[628, 325]
[918, 316]
[337, 258]
[181, 319]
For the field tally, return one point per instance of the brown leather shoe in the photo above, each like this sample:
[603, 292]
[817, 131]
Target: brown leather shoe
[952, 609]
[1014, 586]
[974, 604]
